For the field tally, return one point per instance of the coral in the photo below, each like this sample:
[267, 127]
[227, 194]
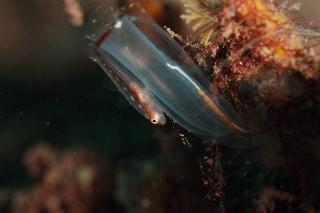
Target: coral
[72, 182]
[264, 58]
[261, 55]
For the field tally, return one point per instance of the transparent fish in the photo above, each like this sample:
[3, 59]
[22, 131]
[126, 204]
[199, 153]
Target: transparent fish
[162, 65]
[133, 90]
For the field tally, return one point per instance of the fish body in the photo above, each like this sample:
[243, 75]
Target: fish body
[132, 89]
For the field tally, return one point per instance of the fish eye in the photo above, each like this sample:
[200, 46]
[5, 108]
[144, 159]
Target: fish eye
[154, 120]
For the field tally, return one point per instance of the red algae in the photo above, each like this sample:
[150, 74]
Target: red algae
[66, 182]
[264, 58]
[244, 42]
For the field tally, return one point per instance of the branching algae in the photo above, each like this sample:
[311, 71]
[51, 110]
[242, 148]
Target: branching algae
[264, 55]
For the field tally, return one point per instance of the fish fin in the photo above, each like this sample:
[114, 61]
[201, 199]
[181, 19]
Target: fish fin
[109, 84]
[122, 102]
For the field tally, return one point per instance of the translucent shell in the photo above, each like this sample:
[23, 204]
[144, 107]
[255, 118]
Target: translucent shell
[145, 50]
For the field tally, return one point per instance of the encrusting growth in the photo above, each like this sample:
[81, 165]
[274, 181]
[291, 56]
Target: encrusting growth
[246, 43]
